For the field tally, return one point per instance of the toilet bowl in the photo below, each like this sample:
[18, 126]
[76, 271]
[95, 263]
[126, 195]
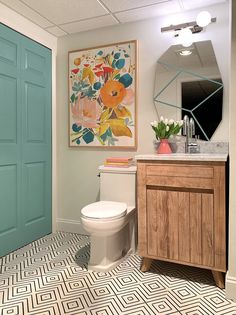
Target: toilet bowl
[111, 224]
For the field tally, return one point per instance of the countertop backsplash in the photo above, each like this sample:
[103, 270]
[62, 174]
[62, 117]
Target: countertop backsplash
[178, 146]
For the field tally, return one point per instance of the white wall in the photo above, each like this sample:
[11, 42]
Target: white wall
[27, 28]
[231, 274]
[77, 167]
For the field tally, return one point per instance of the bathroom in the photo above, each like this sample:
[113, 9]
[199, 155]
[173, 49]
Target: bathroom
[75, 170]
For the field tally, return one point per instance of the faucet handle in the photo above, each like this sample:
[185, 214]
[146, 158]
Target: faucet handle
[185, 125]
[192, 127]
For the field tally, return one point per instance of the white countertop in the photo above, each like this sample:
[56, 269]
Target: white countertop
[184, 157]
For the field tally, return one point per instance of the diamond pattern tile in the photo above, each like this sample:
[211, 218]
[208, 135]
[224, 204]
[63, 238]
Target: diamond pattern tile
[50, 277]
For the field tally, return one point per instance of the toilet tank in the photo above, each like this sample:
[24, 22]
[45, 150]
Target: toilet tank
[118, 184]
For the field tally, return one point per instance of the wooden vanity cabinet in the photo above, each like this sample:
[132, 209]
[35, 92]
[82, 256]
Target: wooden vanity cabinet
[182, 214]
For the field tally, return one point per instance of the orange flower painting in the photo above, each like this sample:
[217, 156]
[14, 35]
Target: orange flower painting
[102, 96]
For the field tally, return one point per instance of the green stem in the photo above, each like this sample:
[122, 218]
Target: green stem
[81, 135]
[84, 133]
[98, 137]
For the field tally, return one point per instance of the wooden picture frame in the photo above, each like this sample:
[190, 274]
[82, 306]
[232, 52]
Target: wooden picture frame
[103, 96]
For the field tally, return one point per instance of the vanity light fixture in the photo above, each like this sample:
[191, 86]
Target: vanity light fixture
[185, 30]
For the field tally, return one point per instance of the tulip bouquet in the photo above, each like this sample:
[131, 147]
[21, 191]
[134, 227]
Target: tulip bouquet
[166, 128]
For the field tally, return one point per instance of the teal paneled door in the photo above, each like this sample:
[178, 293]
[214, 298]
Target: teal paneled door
[25, 140]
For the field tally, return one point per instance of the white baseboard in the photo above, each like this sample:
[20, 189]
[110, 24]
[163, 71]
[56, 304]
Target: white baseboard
[230, 285]
[71, 226]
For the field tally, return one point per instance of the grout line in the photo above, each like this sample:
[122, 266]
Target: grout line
[33, 21]
[141, 7]
[109, 11]
[36, 12]
[82, 20]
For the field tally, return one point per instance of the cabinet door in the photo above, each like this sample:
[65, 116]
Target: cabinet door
[180, 226]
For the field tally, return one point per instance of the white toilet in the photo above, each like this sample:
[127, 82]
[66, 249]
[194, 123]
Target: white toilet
[111, 222]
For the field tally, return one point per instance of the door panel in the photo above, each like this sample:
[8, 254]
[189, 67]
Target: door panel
[8, 198]
[25, 140]
[180, 226]
[35, 111]
[8, 109]
[8, 50]
[35, 179]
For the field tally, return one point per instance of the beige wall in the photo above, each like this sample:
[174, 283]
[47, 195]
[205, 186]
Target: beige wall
[231, 275]
[78, 184]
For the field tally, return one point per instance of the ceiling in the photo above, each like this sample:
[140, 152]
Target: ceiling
[63, 17]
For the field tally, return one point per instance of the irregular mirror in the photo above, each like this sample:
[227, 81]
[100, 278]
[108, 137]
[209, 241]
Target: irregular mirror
[188, 81]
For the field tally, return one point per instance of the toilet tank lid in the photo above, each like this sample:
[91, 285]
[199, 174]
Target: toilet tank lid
[128, 170]
[105, 210]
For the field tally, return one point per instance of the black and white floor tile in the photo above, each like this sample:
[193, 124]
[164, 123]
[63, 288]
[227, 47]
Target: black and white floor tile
[49, 277]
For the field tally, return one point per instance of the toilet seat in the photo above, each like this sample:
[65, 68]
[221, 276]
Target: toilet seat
[104, 210]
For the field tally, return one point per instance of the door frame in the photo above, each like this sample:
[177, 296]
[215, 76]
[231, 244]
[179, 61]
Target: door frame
[20, 24]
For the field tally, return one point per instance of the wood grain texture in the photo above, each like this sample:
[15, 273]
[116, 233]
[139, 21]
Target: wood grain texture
[162, 223]
[219, 278]
[207, 230]
[195, 216]
[142, 212]
[180, 182]
[180, 171]
[184, 237]
[173, 224]
[146, 264]
[152, 222]
[183, 215]
[220, 218]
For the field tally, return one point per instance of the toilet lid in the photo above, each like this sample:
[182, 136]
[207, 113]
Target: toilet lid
[105, 210]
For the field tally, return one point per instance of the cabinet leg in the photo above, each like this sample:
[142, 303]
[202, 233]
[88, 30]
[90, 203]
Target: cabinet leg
[146, 264]
[219, 278]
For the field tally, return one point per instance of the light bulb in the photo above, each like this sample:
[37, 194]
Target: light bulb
[203, 18]
[185, 52]
[185, 37]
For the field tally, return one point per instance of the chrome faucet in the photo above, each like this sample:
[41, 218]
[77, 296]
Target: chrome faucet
[191, 145]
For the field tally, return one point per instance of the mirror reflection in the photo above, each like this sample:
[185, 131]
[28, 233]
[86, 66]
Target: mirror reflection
[188, 81]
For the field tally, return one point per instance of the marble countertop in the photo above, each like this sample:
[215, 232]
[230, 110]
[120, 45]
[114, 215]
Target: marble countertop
[208, 157]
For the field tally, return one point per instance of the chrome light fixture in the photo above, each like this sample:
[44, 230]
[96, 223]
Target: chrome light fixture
[185, 30]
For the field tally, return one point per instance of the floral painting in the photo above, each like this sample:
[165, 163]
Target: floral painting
[102, 96]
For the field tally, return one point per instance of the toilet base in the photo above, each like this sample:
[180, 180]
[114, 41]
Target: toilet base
[106, 252]
[112, 265]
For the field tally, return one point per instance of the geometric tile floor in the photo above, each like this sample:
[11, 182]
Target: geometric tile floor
[49, 277]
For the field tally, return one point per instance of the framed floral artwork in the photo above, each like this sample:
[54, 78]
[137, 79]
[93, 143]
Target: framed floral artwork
[102, 96]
